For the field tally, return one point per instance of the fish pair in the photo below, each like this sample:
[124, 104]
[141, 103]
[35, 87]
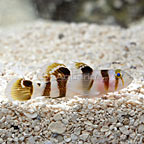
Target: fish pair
[56, 80]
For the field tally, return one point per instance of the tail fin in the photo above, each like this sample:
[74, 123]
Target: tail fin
[19, 89]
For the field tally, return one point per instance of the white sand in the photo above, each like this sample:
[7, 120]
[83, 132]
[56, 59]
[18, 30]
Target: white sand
[24, 49]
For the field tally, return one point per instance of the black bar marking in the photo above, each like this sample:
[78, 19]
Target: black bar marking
[105, 76]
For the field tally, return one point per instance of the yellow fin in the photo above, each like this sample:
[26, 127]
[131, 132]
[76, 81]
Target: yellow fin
[79, 65]
[51, 68]
[19, 89]
[86, 69]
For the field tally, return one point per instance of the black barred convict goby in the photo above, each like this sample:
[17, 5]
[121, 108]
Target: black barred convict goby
[56, 80]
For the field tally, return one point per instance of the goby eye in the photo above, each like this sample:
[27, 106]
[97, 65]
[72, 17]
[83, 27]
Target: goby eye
[118, 74]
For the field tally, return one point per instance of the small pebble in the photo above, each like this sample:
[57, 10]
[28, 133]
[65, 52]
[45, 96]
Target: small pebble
[141, 128]
[57, 117]
[74, 137]
[84, 136]
[31, 140]
[48, 142]
[67, 138]
[57, 127]
[36, 128]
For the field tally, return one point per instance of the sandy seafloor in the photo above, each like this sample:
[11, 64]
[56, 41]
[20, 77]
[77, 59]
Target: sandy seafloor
[117, 118]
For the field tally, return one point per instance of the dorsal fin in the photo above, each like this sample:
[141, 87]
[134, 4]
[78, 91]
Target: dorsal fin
[83, 67]
[83, 81]
[51, 70]
[53, 67]
[61, 73]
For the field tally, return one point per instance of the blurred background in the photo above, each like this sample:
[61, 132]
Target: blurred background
[111, 12]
